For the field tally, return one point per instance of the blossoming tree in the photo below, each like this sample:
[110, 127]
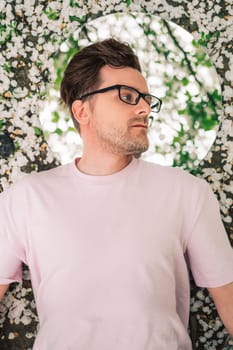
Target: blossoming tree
[30, 35]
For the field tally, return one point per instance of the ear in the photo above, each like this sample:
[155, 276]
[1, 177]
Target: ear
[79, 111]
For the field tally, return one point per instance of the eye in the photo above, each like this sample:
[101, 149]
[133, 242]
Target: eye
[128, 96]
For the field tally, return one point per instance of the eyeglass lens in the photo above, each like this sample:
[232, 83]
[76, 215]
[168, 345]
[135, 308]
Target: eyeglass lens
[128, 95]
[131, 96]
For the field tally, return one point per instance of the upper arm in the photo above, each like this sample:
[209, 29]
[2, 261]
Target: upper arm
[208, 248]
[223, 299]
[3, 289]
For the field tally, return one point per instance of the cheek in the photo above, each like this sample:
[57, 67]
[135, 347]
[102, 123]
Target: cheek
[107, 113]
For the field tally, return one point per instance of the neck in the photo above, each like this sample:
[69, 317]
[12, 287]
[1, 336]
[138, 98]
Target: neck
[104, 165]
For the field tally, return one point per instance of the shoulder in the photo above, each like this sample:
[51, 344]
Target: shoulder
[40, 180]
[179, 187]
[170, 176]
[54, 173]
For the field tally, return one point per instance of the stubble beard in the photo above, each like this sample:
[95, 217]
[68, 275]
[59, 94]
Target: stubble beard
[120, 142]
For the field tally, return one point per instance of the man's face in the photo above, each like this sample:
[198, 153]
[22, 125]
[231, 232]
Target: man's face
[119, 128]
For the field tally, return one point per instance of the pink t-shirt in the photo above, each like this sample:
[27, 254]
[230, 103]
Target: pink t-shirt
[108, 254]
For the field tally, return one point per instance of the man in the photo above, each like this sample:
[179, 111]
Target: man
[109, 238]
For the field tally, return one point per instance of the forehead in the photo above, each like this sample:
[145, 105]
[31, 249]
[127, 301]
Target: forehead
[125, 76]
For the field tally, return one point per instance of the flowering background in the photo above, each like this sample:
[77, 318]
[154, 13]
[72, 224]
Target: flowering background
[31, 33]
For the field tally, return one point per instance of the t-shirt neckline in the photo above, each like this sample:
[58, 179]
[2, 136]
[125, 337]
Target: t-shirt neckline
[103, 179]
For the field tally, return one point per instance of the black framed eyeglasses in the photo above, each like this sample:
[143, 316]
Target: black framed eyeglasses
[129, 95]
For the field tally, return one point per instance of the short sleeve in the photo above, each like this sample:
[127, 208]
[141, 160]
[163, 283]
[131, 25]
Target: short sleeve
[10, 265]
[209, 252]
[11, 248]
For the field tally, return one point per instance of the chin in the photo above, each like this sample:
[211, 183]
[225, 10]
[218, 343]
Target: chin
[137, 153]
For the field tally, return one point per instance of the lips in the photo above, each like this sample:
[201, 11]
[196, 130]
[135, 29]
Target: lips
[140, 126]
[140, 122]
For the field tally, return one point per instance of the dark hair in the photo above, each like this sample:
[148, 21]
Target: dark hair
[82, 72]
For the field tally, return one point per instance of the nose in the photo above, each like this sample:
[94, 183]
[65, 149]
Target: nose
[142, 107]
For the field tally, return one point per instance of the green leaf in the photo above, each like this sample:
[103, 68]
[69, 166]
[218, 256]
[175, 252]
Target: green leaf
[2, 28]
[208, 63]
[128, 2]
[56, 117]
[13, 24]
[185, 81]
[195, 44]
[17, 146]
[1, 123]
[38, 131]
[216, 95]
[80, 20]
[181, 111]
[51, 14]
[74, 3]
[39, 64]
[7, 67]
[204, 39]
[58, 131]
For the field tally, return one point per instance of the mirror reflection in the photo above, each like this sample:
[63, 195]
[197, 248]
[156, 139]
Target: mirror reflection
[178, 71]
